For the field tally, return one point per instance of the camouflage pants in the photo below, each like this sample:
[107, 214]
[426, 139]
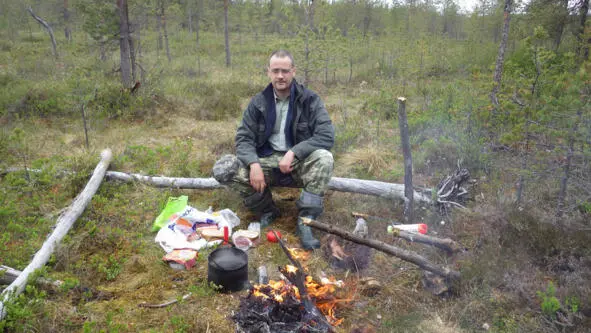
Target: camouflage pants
[312, 173]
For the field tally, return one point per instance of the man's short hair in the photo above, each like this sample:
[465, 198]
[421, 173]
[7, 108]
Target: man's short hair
[282, 54]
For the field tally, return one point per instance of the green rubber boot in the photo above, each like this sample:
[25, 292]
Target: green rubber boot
[306, 237]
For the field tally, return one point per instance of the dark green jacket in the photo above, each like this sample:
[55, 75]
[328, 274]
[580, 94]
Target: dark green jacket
[308, 125]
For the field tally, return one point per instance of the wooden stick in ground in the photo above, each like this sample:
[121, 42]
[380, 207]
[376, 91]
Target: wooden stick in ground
[446, 244]
[63, 225]
[404, 139]
[386, 248]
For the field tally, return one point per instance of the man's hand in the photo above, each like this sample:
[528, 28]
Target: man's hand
[257, 177]
[285, 163]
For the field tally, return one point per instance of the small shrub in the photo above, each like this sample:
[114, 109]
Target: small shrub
[549, 303]
[39, 102]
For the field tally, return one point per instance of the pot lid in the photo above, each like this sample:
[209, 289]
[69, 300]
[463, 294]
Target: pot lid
[228, 259]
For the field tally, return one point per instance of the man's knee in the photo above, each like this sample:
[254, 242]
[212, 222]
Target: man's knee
[323, 158]
[226, 168]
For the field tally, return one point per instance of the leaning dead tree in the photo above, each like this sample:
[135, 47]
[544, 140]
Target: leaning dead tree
[370, 187]
[48, 28]
[63, 225]
[386, 248]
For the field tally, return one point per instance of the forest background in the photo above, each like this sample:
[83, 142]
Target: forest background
[502, 90]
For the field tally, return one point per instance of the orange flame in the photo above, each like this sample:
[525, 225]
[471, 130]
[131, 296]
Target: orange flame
[323, 294]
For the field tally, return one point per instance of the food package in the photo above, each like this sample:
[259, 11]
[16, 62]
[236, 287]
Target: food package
[184, 257]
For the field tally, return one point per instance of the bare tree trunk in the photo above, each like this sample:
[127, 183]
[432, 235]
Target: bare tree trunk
[48, 28]
[562, 20]
[567, 165]
[67, 31]
[102, 50]
[163, 21]
[405, 140]
[307, 47]
[159, 44]
[190, 18]
[85, 127]
[367, 18]
[583, 46]
[525, 156]
[197, 21]
[124, 43]
[326, 63]
[227, 34]
[350, 69]
[132, 54]
[501, 55]
[139, 51]
[63, 225]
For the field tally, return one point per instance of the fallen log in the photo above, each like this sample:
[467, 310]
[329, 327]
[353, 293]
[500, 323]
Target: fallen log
[9, 274]
[63, 225]
[386, 248]
[172, 182]
[370, 187]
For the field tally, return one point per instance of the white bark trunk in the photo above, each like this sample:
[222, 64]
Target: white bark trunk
[63, 225]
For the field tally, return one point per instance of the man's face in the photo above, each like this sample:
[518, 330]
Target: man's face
[281, 73]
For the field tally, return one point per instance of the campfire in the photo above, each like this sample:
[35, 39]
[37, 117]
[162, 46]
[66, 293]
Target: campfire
[280, 306]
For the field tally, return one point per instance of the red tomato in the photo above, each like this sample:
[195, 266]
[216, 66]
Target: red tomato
[271, 236]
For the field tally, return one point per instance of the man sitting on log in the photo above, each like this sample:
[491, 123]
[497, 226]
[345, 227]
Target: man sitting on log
[284, 140]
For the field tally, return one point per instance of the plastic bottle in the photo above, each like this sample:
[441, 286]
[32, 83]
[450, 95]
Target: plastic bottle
[420, 228]
[263, 277]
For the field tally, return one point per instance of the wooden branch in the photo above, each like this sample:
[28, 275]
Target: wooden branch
[165, 304]
[299, 279]
[445, 244]
[9, 274]
[63, 225]
[386, 248]
[48, 28]
[370, 187]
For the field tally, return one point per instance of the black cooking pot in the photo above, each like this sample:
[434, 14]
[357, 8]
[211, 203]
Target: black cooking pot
[228, 267]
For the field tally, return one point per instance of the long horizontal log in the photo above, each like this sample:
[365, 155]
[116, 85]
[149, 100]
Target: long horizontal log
[370, 187]
[63, 225]
[173, 182]
[386, 248]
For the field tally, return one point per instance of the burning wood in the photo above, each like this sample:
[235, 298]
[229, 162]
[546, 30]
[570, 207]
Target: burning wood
[296, 304]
